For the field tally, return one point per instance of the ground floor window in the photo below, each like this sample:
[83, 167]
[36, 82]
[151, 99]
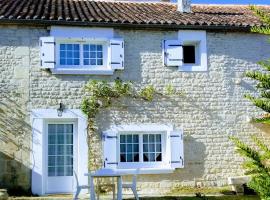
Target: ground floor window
[142, 147]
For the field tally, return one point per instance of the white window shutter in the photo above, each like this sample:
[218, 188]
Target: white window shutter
[47, 52]
[110, 149]
[172, 53]
[117, 53]
[177, 149]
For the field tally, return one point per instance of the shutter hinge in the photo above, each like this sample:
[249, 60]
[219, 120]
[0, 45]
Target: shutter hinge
[112, 163]
[182, 160]
[49, 43]
[174, 135]
[175, 45]
[111, 137]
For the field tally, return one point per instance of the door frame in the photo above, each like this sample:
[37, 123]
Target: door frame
[45, 148]
[39, 118]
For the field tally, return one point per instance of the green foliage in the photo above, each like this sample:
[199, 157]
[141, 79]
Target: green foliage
[100, 95]
[262, 78]
[257, 165]
[147, 93]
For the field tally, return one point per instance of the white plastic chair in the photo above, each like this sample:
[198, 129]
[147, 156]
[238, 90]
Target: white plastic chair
[79, 187]
[132, 186]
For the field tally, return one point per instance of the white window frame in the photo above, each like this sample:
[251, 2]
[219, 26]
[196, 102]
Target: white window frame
[197, 38]
[147, 129]
[130, 165]
[83, 69]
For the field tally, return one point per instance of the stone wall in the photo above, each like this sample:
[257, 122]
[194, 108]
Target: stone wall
[211, 109]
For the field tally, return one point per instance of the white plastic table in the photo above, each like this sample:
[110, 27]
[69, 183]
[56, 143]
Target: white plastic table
[105, 173]
[118, 173]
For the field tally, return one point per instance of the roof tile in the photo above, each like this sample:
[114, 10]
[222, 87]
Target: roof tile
[128, 13]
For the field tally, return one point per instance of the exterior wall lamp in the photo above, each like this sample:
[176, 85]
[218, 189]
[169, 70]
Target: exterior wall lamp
[60, 110]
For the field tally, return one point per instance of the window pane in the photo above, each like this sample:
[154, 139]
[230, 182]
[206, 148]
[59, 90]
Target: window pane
[145, 138]
[52, 139]
[60, 171]
[69, 150]
[51, 129]
[136, 157]
[145, 148]
[151, 138]
[158, 147]
[189, 54]
[122, 138]
[60, 139]
[99, 62]
[93, 47]
[93, 54]
[62, 47]
[135, 139]
[129, 138]
[129, 148]
[129, 157]
[123, 148]
[93, 61]
[51, 171]
[99, 54]
[158, 138]
[68, 160]
[60, 160]
[85, 47]
[51, 160]
[99, 47]
[151, 157]
[69, 171]
[86, 62]
[145, 157]
[135, 147]
[158, 157]
[151, 147]
[123, 158]
[52, 150]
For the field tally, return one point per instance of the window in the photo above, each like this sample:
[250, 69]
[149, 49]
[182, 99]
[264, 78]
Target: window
[152, 148]
[129, 148]
[143, 147]
[81, 55]
[93, 54]
[69, 54]
[60, 149]
[194, 50]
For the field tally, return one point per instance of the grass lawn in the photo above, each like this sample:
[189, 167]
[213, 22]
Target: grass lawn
[227, 197]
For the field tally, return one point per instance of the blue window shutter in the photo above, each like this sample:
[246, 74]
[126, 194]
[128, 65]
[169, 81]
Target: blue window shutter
[117, 53]
[47, 52]
[110, 149]
[177, 149]
[172, 53]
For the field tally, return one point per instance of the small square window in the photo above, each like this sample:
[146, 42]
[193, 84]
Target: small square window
[189, 54]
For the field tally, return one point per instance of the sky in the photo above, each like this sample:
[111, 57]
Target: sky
[265, 2]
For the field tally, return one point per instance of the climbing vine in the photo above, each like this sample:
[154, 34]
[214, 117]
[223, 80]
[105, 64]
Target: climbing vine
[100, 94]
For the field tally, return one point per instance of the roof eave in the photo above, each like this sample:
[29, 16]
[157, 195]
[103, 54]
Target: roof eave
[124, 25]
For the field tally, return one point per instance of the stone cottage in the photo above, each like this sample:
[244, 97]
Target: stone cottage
[49, 50]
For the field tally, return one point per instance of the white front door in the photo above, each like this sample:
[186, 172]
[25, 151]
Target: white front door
[60, 158]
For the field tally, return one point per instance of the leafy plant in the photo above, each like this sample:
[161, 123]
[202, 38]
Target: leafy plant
[257, 165]
[263, 78]
[147, 93]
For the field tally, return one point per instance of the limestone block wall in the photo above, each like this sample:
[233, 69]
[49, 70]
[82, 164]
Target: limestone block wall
[211, 108]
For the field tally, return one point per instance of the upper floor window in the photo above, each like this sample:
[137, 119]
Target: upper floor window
[82, 56]
[188, 53]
